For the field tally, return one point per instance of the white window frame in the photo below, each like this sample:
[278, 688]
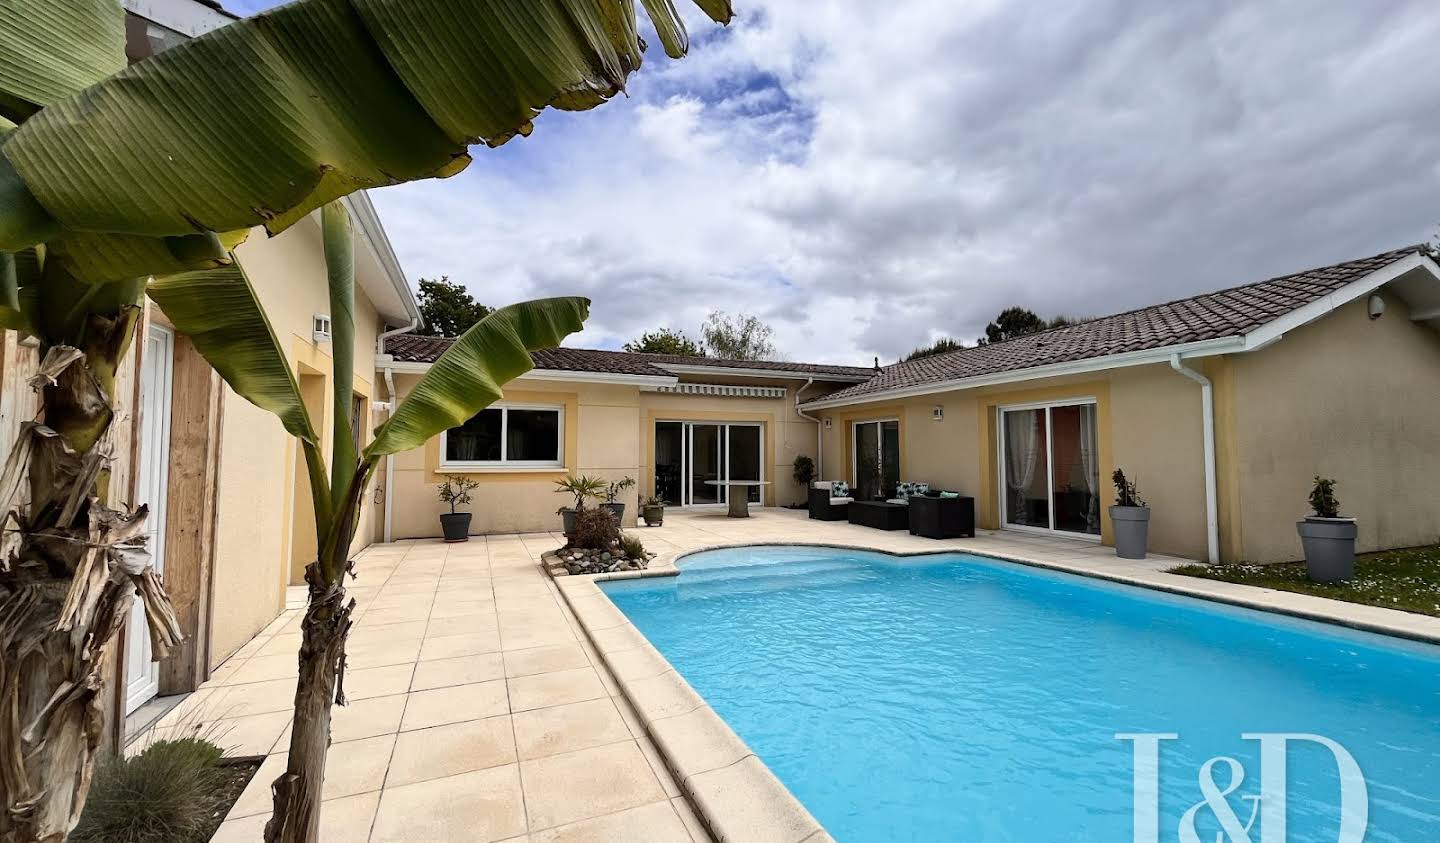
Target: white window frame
[855, 444]
[687, 441]
[1001, 466]
[504, 464]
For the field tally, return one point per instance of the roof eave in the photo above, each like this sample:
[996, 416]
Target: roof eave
[739, 371]
[1202, 348]
[1253, 340]
[412, 367]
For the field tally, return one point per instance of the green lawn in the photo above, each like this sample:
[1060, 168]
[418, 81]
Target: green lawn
[1408, 579]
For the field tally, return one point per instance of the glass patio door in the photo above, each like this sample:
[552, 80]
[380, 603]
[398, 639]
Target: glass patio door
[707, 462]
[877, 459]
[689, 454]
[1050, 466]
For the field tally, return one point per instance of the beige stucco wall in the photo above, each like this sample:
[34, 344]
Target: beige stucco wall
[1348, 398]
[609, 433]
[1148, 421]
[256, 518]
[599, 439]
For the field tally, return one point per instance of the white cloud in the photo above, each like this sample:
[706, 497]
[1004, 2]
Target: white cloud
[866, 176]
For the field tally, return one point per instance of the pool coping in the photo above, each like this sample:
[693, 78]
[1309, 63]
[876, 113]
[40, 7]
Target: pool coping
[735, 794]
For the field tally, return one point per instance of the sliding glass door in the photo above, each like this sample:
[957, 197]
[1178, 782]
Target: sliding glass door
[876, 459]
[1050, 467]
[690, 455]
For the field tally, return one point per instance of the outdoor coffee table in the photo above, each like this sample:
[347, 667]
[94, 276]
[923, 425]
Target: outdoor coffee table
[739, 504]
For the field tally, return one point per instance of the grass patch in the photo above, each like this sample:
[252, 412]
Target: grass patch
[1408, 580]
[175, 791]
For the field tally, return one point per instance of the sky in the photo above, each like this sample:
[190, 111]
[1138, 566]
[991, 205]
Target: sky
[867, 177]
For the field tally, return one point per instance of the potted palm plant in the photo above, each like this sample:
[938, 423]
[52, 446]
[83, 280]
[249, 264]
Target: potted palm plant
[455, 491]
[1327, 537]
[653, 511]
[612, 491]
[1131, 518]
[582, 487]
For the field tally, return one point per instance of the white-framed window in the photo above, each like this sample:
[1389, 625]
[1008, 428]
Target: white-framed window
[512, 436]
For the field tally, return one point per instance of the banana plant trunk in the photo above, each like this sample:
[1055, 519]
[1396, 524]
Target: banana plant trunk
[297, 791]
[325, 629]
[70, 569]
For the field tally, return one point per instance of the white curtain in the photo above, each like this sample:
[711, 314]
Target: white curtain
[1089, 466]
[1021, 451]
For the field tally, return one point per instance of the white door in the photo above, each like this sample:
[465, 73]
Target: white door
[143, 673]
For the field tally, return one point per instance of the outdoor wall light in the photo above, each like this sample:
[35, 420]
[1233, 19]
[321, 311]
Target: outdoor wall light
[938, 412]
[1376, 306]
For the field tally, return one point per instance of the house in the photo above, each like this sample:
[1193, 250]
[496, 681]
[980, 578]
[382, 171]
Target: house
[672, 423]
[230, 524]
[1222, 406]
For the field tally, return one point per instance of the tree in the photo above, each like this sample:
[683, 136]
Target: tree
[238, 342]
[116, 181]
[447, 308]
[738, 337]
[940, 346]
[666, 341]
[1011, 323]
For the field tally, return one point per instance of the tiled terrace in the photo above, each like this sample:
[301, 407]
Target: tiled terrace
[481, 712]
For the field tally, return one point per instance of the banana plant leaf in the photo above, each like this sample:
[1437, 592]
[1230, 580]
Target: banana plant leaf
[49, 49]
[219, 311]
[469, 376]
[268, 118]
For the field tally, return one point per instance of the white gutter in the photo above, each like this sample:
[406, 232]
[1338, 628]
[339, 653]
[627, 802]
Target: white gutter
[389, 458]
[819, 435]
[1207, 414]
[368, 221]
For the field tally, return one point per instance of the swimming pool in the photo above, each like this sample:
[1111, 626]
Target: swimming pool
[955, 697]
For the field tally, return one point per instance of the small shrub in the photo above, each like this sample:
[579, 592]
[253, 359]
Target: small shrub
[1323, 500]
[595, 528]
[166, 794]
[455, 491]
[1125, 492]
[613, 490]
[804, 473]
[633, 547]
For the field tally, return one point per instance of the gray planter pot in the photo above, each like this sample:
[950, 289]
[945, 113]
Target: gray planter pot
[1132, 530]
[654, 515]
[1329, 548]
[455, 526]
[617, 510]
[567, 520]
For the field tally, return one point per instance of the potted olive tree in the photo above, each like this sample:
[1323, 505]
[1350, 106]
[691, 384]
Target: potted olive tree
[612, 491]
[653, 511]
[1327, 537]
[582, 487]
[1131, 518]
[456, 492]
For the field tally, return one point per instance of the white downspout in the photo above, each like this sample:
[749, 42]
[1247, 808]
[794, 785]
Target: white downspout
[389, 458]
[1207, 412]
[819, 433]
[390, 393]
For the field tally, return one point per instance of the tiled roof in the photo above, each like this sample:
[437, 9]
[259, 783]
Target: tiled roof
[1225, 313]
[411, 348]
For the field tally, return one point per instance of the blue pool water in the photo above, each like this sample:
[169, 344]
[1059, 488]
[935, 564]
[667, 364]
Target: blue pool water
[960, 698]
